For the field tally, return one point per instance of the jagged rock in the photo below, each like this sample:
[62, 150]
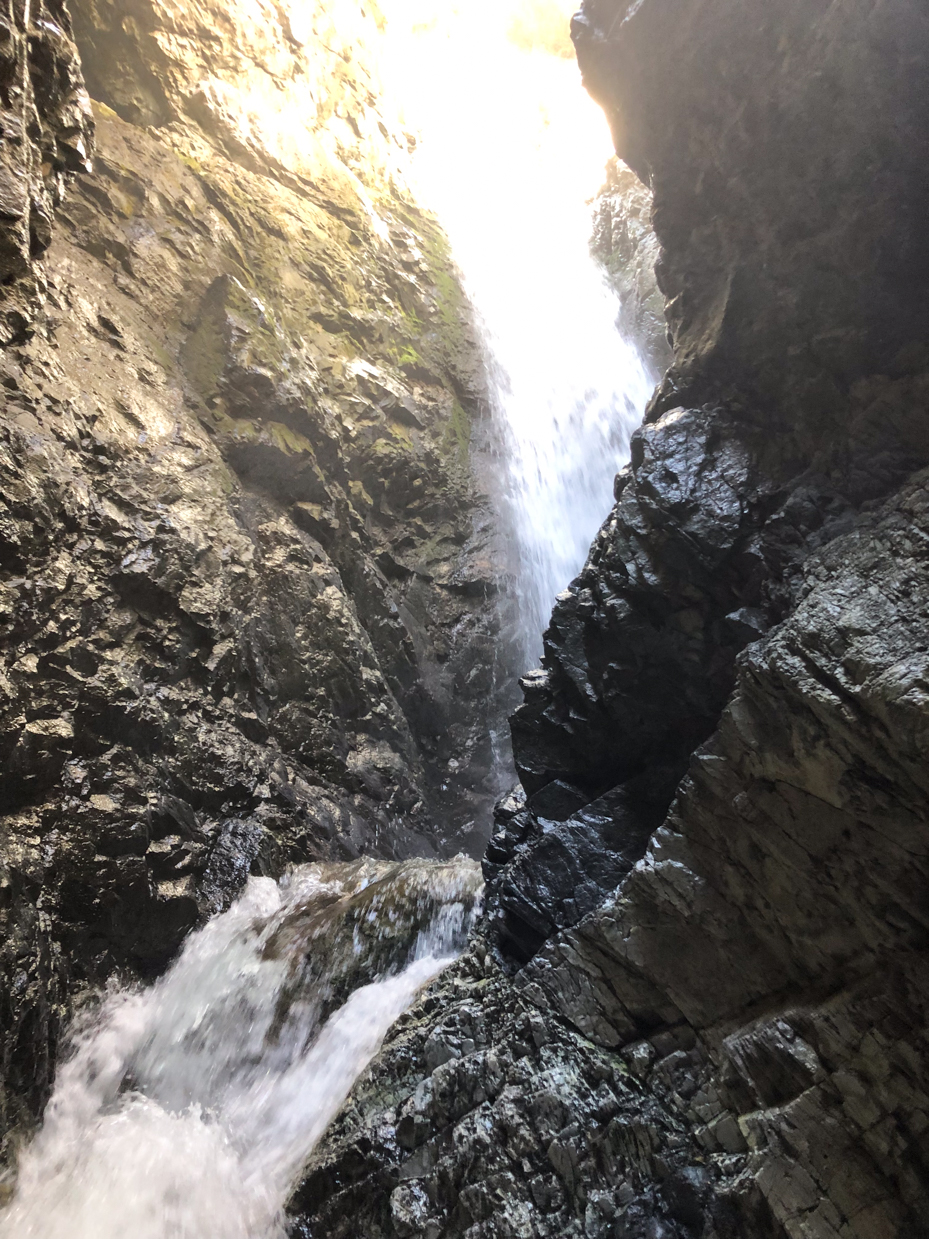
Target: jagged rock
[485, 1119]
[244, 576]
[244, 593]
[548, 867]
[625, 243]
[753, 613]
[767, 1012]
[47, 137]
[696, 559]
[813, 792]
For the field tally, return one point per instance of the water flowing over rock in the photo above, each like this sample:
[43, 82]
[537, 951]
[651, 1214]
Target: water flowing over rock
[696, 1004]
[247, 593]
[252, 644]
[510, 176]
[188, 1108]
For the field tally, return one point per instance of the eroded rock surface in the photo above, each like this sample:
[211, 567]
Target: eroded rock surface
[47, 136]
[732, 1042]
[696, 1004]
[246, 584]
[625, 243]
[753, 124]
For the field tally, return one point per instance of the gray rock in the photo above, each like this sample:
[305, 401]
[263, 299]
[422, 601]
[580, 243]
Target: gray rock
[245, 576]
[625, 243]
[47, 137]
[732, 1041]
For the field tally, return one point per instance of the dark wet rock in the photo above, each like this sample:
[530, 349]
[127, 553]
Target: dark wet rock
[548, 867]
[798, 959]
[557, 801]
[751, 124]
[752, 995]
[736, 1029]
[487, 1116]
[701, 551]
[245, 576]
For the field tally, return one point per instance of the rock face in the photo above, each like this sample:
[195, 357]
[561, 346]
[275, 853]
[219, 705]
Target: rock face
[246, 590]
[625, 243]
[46, 137]
[754, 125]
[696, 1004]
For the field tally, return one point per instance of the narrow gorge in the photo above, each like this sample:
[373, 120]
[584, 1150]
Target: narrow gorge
[464, 682]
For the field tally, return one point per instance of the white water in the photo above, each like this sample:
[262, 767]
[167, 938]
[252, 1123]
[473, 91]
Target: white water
[510, 152]
[188, 1108]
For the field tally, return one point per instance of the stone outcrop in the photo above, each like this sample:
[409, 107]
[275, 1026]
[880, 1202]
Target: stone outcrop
[46, 131]
[246, 588]
[246, 584]
[781, 145]
[696, 1004]
[624, 242]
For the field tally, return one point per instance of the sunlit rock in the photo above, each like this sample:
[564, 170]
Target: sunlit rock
[246, 573]
[731, 1041]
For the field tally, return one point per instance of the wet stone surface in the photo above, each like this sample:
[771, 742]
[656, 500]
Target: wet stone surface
[732, 1040]
[247, 585]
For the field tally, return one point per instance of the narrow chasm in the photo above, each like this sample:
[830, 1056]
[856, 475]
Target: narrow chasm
[464, 600]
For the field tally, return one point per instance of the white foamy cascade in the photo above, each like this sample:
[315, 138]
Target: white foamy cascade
[510, 152]
[187, 1109]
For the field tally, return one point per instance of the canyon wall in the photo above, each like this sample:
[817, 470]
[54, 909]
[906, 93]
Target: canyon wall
[246, 579]
[696, 1005]
[624, 243]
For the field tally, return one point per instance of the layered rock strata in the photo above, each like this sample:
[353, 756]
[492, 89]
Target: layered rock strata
[246, 583]
[696, 1005]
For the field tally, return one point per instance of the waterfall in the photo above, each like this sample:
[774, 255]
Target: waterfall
[188, 1108]
[510, 150]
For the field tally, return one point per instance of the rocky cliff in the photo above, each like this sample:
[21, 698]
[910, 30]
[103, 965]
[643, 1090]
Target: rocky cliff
[697, 1002]
[624, 243]
[246, 584]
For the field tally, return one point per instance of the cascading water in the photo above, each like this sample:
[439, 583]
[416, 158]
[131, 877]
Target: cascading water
[510, 151]
[188, 1109]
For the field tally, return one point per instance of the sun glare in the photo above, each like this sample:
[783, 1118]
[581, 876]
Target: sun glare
[485, 83]
[510, 150]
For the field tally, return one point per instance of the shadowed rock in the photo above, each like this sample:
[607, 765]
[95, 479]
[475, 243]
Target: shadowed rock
[732, 1042]
[244, 574]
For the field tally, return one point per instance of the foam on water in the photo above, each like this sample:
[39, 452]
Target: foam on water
[187, 1109]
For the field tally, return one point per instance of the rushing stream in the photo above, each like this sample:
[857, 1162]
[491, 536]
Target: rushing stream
[187, 1109]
